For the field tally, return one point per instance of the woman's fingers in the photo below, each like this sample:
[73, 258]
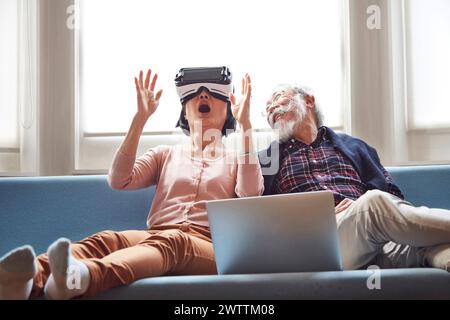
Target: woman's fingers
[249, 88]
[158, 95]
[138, 90]
[153, 85]
[147, 78]
[141, 82]
[148, 84]
[246, 82]
[248, 95]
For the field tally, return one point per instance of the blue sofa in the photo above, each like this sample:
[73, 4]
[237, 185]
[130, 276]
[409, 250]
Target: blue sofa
[39, 210]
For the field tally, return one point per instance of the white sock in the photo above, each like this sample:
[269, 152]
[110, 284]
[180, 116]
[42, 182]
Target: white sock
[438, 256]
[69, 277]
[17, 270]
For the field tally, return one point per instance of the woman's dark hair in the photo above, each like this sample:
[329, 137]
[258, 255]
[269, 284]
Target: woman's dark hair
[228, 127]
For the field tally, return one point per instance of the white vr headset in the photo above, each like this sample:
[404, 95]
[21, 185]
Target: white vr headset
[217, 80]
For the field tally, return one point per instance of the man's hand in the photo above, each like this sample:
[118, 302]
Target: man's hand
[241, 109]
[146, 99]
[343, 205]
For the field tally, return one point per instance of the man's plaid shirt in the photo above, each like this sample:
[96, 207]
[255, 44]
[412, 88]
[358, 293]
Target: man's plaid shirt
[320, 166]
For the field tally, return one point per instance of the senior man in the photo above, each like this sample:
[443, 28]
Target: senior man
[375, 223]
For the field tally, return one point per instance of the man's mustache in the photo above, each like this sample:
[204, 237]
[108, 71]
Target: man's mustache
[280, 110]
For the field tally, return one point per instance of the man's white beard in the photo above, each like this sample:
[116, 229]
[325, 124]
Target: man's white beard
[286, 129]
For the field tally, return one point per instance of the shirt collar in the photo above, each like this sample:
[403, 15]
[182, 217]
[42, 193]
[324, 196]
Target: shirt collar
[322, 135]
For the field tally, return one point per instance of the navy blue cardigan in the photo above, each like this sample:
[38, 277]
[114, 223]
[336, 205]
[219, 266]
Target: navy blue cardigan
[363, 157]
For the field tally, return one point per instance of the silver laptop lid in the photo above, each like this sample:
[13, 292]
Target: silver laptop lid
[281, 233]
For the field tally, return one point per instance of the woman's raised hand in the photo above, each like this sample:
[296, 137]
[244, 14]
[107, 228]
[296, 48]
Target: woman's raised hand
[146, 99]
[241, 109]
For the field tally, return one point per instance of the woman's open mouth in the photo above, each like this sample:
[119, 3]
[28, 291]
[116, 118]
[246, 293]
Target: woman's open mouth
[204, 108]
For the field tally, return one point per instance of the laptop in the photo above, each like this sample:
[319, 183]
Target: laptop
[274, 234]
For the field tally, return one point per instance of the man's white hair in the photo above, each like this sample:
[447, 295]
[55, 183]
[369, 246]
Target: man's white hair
[302, 92]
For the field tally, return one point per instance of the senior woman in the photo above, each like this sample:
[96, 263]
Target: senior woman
[178, 239]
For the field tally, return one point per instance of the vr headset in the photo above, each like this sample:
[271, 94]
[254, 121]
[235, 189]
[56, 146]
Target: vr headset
[217, 80]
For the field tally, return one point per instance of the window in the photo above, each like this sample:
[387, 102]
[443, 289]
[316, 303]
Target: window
[8, 74]
[428, 64]
[284, 41]
[18, 97]
[9, 134]
[297, 41]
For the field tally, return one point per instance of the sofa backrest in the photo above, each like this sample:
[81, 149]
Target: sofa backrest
[424, 185]
[39, 210]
